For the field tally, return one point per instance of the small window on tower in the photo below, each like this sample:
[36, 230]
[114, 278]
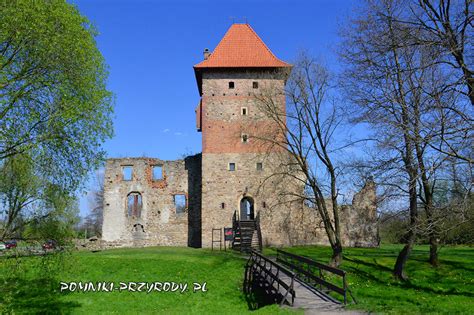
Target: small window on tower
[231, 167]
[244, 111]
[231, 85]
[255, 85]
[259, 166]
[245, 138]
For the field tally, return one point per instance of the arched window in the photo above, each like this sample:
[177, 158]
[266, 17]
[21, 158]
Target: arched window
[134, 204]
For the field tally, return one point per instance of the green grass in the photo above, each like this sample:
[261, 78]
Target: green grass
[447, 289]
[31, 285]
[30, 290]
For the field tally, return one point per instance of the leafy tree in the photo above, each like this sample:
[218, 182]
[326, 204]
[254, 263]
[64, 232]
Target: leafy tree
[19, 190]
[55, 216]
[54, 105]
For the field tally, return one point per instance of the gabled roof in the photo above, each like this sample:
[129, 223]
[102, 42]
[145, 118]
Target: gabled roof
[241, 48]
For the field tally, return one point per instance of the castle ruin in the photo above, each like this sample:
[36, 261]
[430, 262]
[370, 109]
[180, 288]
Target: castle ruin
[148, 201]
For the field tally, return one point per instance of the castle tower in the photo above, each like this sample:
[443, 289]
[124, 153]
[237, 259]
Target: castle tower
[150, 202]
[234, 163]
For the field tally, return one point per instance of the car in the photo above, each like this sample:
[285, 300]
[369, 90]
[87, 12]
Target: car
[3, 246]
[10, 244]
[49, 244]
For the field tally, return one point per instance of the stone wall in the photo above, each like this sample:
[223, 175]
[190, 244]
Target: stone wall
[284, 218]
[358, 221]
[159, 223]
[223, 189]
[223, 124]
[193, 168]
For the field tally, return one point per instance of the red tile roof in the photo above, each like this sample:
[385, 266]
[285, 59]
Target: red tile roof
[241, 47]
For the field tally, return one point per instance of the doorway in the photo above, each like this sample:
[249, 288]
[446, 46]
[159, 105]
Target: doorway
[246, 209]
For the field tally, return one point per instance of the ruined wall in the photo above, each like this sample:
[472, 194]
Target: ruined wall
[358, 221]
[159, 223]
[193, 168]
[284, 218]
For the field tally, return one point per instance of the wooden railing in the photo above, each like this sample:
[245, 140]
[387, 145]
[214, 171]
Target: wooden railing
[235, 226]
[312, 272]
[262, 270]
[259, 231]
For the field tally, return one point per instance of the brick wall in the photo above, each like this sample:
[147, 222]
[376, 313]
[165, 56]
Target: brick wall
[222, 121]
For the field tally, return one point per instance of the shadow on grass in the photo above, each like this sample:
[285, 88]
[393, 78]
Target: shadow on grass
[259, 292]
[257, 297]
[456, 265]
[374, 264]
[452, 291]
[406, 285]
[33, 296]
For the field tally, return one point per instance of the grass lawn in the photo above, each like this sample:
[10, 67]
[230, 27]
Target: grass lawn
[30, 289]
[32, 285]
[448, 289]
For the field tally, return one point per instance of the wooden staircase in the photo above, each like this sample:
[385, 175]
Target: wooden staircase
[247, 234]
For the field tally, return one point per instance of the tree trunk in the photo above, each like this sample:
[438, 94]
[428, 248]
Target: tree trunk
[427, 189]
[434, 251]
[336, 258]
[332, 231]
[399, 269]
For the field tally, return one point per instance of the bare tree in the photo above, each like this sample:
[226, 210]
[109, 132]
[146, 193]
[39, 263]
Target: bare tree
[447, 25]
[376, 77]
[305, 130]
[446, 28]
[399, 88]
[93, 222]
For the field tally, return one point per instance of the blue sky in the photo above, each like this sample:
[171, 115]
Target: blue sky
[151, 47]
